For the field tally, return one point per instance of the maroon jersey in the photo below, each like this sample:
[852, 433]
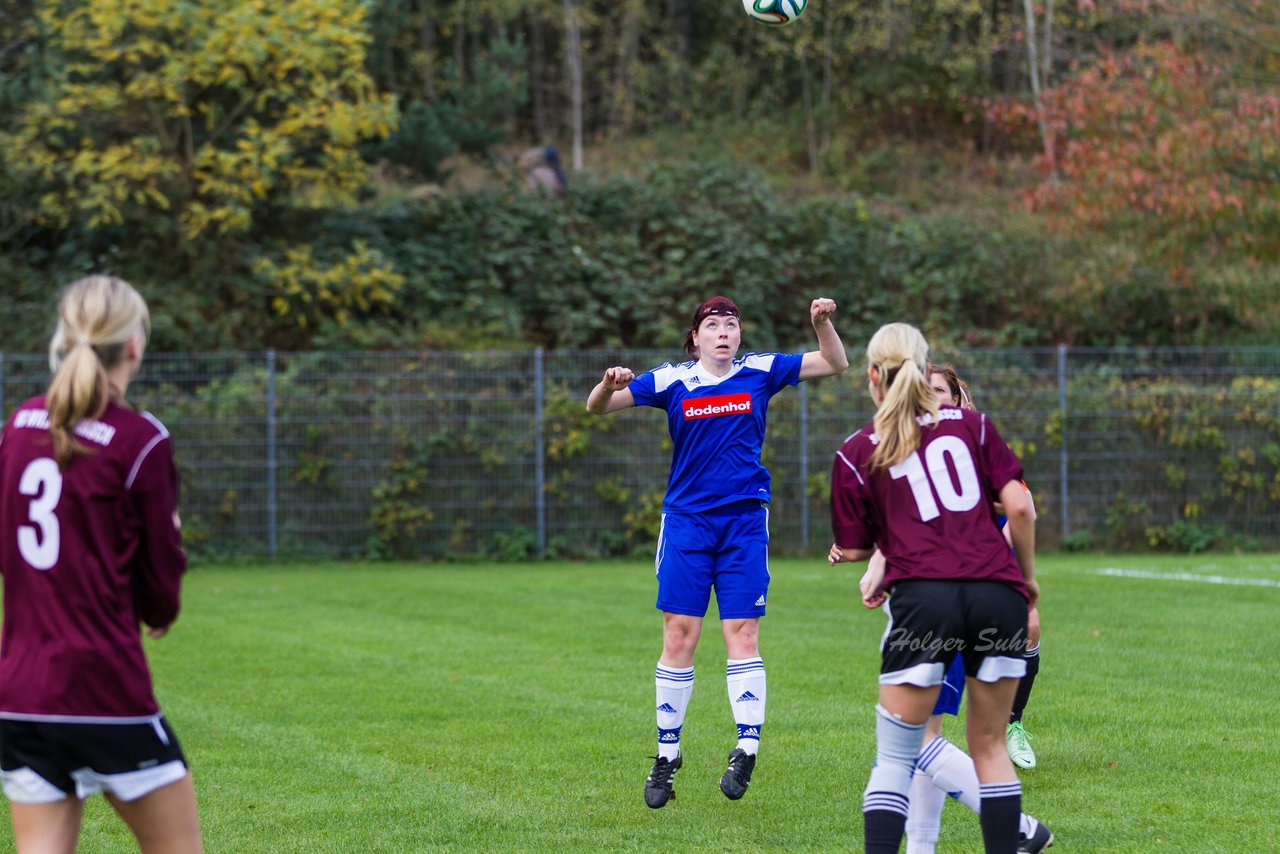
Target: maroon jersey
[87, 554]
[931, 514]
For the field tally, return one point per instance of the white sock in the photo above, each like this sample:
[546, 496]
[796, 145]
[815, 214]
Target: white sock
[924, 814]
[952, 771]
[675, 687]
[889, 787]
[745, 680]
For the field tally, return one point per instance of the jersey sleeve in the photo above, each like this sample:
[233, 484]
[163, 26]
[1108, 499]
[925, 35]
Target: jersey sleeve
[852, 525]
[644, 389]
[1001, 463]
[785, 372]
[161, 562]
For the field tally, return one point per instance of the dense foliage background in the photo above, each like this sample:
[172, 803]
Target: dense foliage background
[334, 173]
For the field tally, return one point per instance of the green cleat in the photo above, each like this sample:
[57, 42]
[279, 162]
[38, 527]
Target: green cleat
[1019, 742]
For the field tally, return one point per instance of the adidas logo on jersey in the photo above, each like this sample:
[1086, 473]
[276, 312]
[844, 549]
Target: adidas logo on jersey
[747, 697]
[666, 707]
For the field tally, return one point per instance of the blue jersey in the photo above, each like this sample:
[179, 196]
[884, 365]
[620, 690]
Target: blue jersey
[717, 426]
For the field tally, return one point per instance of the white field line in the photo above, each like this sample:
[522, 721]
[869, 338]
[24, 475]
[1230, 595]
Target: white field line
[1186, 576]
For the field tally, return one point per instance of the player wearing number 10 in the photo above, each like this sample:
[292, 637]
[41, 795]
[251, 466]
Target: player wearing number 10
[919, 482]
[89, 550]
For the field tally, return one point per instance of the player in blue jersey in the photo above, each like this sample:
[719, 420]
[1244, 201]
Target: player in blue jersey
[715, 521]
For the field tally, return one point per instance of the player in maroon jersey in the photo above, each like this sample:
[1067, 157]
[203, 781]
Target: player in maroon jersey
[947, 383]
[89, 552]
[943, 769]
[918, 482]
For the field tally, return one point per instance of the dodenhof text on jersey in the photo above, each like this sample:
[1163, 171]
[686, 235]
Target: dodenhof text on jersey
[711, 407]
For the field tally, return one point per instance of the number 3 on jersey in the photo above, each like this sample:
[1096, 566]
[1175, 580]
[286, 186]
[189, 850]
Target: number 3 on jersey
[39, 542]
[934, 470]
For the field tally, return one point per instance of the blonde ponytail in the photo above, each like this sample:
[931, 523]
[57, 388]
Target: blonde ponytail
[900, 355]
[97, 316]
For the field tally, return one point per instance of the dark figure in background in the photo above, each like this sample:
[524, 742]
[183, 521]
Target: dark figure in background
[543, 171]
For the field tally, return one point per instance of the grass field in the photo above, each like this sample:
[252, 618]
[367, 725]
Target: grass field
[378, 707]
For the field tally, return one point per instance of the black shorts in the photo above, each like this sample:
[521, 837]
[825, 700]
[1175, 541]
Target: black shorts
[42, 762]
[931, 622]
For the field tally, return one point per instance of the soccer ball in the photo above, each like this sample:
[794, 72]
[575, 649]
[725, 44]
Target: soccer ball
[775, 12]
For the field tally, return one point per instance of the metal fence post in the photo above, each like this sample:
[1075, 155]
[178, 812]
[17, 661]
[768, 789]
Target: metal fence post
[271, 452]
[540, 495]
[804, 466]
[1064, 494]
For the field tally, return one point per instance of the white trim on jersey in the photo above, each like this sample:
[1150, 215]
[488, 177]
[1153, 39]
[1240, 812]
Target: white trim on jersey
[852, 467]
[137, 464]
[142, 455]
[665, 375]
[153, 720]
[693, 375]
[759, 361]
[164, 431]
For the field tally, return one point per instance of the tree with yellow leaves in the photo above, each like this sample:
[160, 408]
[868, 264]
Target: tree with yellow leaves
[209, 111]
[208, 117]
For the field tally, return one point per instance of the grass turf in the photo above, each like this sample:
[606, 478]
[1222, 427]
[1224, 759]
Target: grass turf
[468, 707]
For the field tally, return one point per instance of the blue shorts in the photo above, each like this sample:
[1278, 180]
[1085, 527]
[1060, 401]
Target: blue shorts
[952, 689]
[726, 548]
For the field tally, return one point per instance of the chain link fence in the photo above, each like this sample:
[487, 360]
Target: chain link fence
[491, 454]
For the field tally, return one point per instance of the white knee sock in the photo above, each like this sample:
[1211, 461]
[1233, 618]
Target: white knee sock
[745, 680]
[675, 687]
[896, 744]
[924, 814]
[952, 771]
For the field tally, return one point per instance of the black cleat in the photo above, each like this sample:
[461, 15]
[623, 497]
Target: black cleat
[1039, 840]
[738, 776]
[657, 789]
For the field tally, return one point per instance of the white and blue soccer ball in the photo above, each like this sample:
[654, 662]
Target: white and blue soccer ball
[775, 12]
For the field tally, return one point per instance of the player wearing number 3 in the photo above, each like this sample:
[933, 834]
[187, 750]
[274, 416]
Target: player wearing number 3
[715, 523]
[89, 550]
[919, 482]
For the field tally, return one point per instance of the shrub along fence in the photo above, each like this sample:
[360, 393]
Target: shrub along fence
[491, 454]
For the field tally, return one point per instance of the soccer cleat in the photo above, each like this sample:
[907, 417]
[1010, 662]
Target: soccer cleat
[1039, 839]
[738, 775]
[1019, 743]
[657, 789]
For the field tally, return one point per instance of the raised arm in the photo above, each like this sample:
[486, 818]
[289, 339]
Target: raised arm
[829, 358]
[611, 393]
